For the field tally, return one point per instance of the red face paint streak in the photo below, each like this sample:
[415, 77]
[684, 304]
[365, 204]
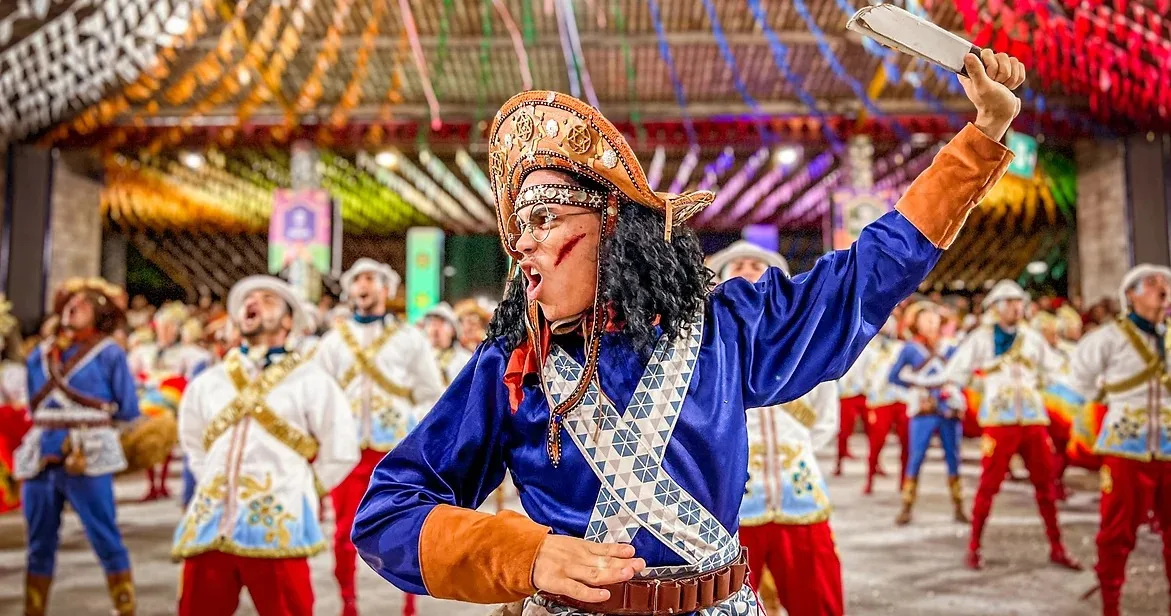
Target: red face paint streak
[568, 247]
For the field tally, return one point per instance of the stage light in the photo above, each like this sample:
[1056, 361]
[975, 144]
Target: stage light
[387, 159]
[786, 156]
[193, 160]
[1037, 268]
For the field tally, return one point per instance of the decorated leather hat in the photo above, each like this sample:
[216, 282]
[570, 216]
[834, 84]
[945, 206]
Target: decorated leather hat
[548, 130]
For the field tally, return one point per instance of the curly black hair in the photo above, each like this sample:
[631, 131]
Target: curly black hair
[645, 281]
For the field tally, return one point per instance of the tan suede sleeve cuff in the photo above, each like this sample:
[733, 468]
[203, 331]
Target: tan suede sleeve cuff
[465, 555]
[940, 199]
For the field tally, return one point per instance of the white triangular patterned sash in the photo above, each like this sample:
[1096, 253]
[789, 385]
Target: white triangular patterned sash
[626, 453]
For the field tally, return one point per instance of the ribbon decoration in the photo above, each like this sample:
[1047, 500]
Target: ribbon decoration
[780, 55]
[912, 78]
[420, 62]
[567, 53]
[752, 196]
[522, 57]
[257, 50]
[836, 66]
[737, 182]
[676, 84]
[631, 77]
[143, 88]
[353, 90]
[398, 185]
[475, 175]
[460, 220]
[485, 56]
[717, 168]
[72, 60]
[574, 56]
[686, 166]
[730, 62]
[816, 169]
[441, 51]
[818, 194]
[456, 188]
[269, 85]
[655, 173]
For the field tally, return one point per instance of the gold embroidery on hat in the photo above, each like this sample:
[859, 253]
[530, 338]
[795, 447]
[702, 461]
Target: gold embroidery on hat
[579, 139]
[523, 124]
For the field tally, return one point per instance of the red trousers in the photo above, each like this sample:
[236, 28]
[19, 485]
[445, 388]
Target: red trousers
[212, 582]
[346, 497]
[1000, 443]
[1130, 489]
[804, 563]
[853, 408]
[881, 420]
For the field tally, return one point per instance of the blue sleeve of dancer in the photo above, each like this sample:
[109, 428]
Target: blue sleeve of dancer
[788, 335]
[454, 457]
[905, 358]
[121, 383]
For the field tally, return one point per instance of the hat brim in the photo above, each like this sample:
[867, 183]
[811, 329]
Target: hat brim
[742, 250]
[281, 288]
[549, 130]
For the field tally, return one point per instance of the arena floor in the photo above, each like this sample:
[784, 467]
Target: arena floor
[916, 570]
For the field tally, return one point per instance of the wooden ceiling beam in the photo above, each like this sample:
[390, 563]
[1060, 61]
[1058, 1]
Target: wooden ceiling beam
[618, 111]
[588, 39]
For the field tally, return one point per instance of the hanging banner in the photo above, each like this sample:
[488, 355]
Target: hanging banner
[299, 235]
[424, 270]
[852, 211]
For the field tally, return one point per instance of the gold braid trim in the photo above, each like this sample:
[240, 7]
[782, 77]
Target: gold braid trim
[1014, 355]
[802, 412]
[1153, 365]
[227, 546]
[364, 362]
[793, 520]
[250, 403]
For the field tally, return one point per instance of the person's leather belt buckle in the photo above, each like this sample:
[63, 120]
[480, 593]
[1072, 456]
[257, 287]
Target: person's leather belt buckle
[666, 596]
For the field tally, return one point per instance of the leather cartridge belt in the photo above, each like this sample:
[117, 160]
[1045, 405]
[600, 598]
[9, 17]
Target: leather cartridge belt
[663, 596]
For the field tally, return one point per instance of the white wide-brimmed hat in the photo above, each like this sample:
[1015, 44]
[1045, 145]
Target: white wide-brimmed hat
[1005, 290]
[1136, 275]
[389, 277]
[743, 249]
[444, 311]
[241, 289]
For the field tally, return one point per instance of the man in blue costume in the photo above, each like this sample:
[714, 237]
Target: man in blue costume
[614, 386]
[81, 388]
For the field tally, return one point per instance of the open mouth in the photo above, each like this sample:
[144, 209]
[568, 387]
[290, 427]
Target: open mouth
[533, 277]
[251, 312]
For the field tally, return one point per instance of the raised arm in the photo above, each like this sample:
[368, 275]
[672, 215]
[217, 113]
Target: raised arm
[789, 335]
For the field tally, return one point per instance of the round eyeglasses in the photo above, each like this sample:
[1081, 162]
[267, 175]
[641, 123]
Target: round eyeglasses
[540, 224]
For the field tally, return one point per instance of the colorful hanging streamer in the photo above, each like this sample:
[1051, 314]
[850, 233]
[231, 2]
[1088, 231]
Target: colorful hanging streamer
[676, 84]
[631, 78]
[474, 174]
[685, 168]
[518, 44]
[576, 57]
[735, 184]
[420, 62]
[836, 66]
[716, 169]
[780, 55]
[655, 173]
[456, 188]
[730, 62]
